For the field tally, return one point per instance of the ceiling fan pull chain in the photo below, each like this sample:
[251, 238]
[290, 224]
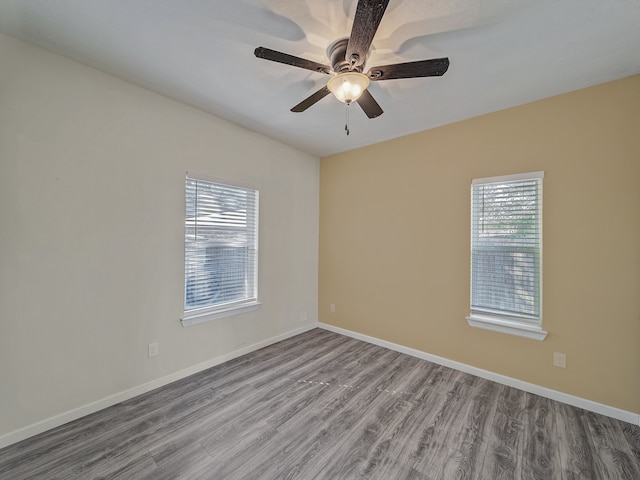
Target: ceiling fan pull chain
[346, 121]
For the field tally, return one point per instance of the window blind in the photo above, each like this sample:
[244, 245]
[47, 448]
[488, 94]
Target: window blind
[221, 244]
[506, 247]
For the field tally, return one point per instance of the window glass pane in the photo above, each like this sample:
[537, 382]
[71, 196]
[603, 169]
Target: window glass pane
[506, 241]
[220, 244]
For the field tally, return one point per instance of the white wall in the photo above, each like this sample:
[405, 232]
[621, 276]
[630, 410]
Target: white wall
[91, 234]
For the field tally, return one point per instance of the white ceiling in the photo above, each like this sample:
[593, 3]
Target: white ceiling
[503, 53]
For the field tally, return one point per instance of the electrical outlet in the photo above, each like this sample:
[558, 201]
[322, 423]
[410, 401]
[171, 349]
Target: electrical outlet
[303, 317]
[332, 307]
[153, 349]
[560, 359]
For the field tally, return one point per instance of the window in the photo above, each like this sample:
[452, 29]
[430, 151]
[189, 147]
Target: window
[506, 254]
[220, 250]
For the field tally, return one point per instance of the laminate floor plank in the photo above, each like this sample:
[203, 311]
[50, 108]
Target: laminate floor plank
[575, 444]
[139, 467]
[393, 427]
[615, 459]
[439, 433]
[505, 446]
[632, 435]
[405, 445]
[358, 454]
[178, 460]
[53, 443]
[470, 443]
[324, 406]
[541, 455]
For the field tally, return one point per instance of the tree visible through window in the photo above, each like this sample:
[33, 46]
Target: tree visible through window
[506, 247]
[221, 237]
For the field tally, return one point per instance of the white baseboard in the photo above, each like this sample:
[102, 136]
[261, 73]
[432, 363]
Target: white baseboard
[613, 412]
[70, 415]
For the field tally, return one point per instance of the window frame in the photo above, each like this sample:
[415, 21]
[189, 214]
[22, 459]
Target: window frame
[215, 311]
[523, 325]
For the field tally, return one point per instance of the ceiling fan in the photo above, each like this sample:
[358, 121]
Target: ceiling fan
[348, 57]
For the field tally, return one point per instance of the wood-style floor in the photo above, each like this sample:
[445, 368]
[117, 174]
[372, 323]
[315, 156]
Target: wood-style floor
[325, 406]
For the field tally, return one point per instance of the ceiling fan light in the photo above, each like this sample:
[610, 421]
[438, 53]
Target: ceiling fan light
[347, 87]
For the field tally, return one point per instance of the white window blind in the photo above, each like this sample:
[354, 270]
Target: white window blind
[221, 246]
[506, 247]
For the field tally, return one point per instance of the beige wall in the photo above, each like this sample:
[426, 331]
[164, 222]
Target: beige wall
[394, 240]
[92, 234]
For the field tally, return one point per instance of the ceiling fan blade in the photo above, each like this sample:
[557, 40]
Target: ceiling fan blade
[422, 68]
[365, 24]
[369, 104]
[311, 99]
[275, 56]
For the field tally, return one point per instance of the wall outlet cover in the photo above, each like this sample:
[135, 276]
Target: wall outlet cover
[560, 359]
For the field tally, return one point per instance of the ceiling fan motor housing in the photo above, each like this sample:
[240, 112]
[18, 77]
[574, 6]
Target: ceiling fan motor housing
[336, 52]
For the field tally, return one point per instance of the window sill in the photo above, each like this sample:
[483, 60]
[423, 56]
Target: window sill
[205, 315]
[510, 327]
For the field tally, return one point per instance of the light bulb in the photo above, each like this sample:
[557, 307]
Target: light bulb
[347, 87]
